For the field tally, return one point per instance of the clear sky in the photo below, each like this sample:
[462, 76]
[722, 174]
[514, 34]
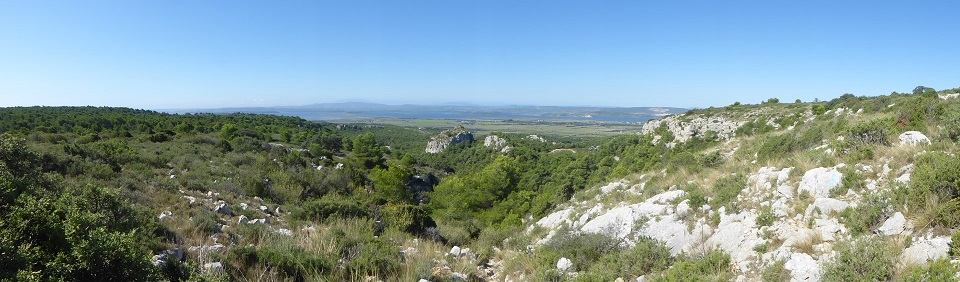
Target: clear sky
[208, 53]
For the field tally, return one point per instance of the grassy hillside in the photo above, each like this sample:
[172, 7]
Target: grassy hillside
[257, 197]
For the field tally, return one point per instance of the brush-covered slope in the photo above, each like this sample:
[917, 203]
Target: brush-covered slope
[857, 188]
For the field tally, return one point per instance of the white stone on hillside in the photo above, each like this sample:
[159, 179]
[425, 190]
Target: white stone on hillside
[223, 208]
[674, 233]
[666, 197]
[895, 225]
[213, 267]
[803, 268]
[819, 181]
[914, 138]
[611, 186]
[555, 219]
[829, 229]
[925, 249]
[949, 96]
[827, 206]
[616, 222]
[494, 141]
[165, 214]
[736, 234]
[563, 264]
[455, 251]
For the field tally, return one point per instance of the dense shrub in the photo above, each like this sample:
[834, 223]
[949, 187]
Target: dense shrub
[647, 256]
[713, 266]
[330, 207]
[867, 216]
[726, 189]
[864, 259]
[941, 270]
[936, 177]
[582, 249]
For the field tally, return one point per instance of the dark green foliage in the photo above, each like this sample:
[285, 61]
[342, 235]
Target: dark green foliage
[766, 217]
[935, 178]
[867, 216]
[726, 189]
[775, 272]
[753, 127]
[714, 266]
[941, 270]
[864, 259]
[55, 232]
[330, 207]
[647, 256]
[875, 132]
[852, 179]
[955, 244]
[951, 121]
[582, 249]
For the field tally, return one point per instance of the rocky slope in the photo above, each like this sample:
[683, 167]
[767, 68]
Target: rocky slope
[448, 138]
[792, 212]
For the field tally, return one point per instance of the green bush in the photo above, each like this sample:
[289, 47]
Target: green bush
[726, 190]
[766, 216]
[647, 256]
[941, 270]
[329, 207]
[775, 272]
[866, 258]
[935, 177]
[867, 216]
[713, 266]
[582, 249]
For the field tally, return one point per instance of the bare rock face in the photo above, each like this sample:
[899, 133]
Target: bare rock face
[494, 141]
[819, 181]
[914, 138]
[697, 127]
[448, 138]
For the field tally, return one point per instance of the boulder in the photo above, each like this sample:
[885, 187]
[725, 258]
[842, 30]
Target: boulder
[895, 225]
[819, 181]
[925, 249]
[803, 268]
[165, 214]
[455, 251]
[564, 264]
[448, 138]
[827, 206]
[494, 141]
[285, 232]
[223, 208]
[914, 138]
[213, 268]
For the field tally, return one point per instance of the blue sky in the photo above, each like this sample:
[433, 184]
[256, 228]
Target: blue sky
[202, 54]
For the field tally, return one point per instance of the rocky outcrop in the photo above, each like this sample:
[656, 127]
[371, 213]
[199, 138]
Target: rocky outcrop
[448, 138]
[914, 138]
[494, 141]
[697, 127]
[819, 181]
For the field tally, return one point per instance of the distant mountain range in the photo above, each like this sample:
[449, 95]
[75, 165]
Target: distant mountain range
[363, 110]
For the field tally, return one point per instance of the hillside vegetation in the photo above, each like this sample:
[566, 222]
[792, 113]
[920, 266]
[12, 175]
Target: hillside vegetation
[828, 191]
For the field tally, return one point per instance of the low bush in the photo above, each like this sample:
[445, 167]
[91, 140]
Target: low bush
[935, 181]
[647, 256]
[866, 258]
[582, 249]
[867, 216]
[329, 207]
[941, 270]
[726, 189]
[713, 266]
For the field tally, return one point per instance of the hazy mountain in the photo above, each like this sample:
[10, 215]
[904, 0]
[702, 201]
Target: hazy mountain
[366, 110]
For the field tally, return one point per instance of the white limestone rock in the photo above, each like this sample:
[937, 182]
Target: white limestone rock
[736, 234]
[555, 219]
[803, 268]
[819, 181]
[925, 249]
[213, 267]
[914, 138]
[496, 142]
[826, 206]
[564, 264]
[224, 209]
[165, 214]
[895, 225]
